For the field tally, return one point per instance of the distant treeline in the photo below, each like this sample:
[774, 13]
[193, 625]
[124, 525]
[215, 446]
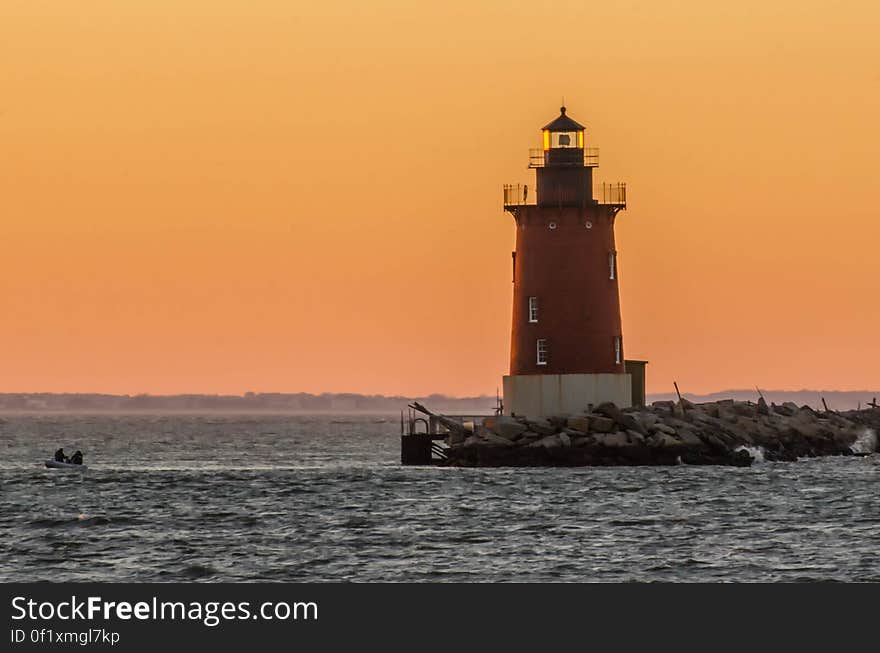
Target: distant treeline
[836, 399]
[302, 402]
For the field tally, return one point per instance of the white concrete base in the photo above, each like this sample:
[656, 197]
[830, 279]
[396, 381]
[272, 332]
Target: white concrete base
[545, 395]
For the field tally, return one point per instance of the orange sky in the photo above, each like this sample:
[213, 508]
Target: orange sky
[229, 196]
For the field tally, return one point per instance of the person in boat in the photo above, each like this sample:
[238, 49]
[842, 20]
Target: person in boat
[60, 457]
[76, 459]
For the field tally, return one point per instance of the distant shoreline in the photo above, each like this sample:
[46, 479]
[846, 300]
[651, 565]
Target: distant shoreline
[250, 403]
[352, 404]
[207, 413]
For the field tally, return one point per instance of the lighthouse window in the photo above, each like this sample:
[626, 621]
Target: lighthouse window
[542, 352]
[612, 265]
[565, 139]
[617, 350]
[533, 309]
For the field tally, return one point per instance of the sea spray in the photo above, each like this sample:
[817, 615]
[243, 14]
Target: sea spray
[757, 453]
[866, 442]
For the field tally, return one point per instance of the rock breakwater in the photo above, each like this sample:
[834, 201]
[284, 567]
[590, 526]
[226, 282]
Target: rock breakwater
[665, 433]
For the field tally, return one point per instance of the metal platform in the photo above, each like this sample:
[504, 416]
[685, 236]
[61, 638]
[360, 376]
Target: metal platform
[605, 194]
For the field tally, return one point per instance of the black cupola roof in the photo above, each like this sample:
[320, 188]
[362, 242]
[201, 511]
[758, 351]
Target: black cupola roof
[563, 123]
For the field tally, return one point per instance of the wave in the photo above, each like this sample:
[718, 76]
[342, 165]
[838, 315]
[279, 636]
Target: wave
[757, 453]
[197, 570]
[82, 519]
[866, 442]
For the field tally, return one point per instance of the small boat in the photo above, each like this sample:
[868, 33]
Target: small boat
[54, 464]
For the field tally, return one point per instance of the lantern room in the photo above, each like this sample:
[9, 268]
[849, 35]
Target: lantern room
[559, 140]
[563, 141]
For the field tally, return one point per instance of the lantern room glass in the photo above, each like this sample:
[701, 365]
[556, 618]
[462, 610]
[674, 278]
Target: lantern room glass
[563, 140]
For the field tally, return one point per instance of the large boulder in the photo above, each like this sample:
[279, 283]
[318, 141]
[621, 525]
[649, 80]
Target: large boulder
[785, 410]
[699, 415]
[504, 426]
[613, 440]
[689, 438]
[564, 439]
[730, 441]
[548, 442]
[841, 422]
[629, 423]
[491, 439]
[737, 435]
[744, 409]
[663, 407]
[663, 441]
[805, 411]
[600, 424]
[648, 420]
[713, 441]
[664, 428]
[808, 430]
[542, 426]
[608, 409]
[635, 437]
[846, 438]
[711, 409]
[580, 423]
[528, 437]
[761, 434]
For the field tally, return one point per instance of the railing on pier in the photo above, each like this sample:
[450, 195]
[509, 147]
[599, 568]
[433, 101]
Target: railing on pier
[422, 439]
[537, 158]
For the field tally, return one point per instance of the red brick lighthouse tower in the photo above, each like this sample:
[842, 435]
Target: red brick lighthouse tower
[566, 348]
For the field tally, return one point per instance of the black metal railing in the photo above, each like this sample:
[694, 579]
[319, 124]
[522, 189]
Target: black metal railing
[612, 194]
[606, 194]
[438, 451]
[518, 195]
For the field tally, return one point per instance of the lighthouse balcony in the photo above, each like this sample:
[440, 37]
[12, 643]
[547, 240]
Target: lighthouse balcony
[518, 195]
[538, 158]
[613, 195]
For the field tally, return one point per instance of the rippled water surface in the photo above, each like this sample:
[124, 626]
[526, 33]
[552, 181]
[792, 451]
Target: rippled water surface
[295, 498]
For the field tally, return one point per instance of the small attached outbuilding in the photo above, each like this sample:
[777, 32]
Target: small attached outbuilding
[636, 371]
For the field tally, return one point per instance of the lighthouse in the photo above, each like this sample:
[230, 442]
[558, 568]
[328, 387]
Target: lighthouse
[566, 345]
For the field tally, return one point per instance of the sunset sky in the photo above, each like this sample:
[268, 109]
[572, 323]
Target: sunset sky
[280, 196]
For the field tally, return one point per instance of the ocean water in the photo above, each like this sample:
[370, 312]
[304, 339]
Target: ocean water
[317, 498]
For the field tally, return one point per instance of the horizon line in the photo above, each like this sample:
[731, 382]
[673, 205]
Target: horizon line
[252, 393]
